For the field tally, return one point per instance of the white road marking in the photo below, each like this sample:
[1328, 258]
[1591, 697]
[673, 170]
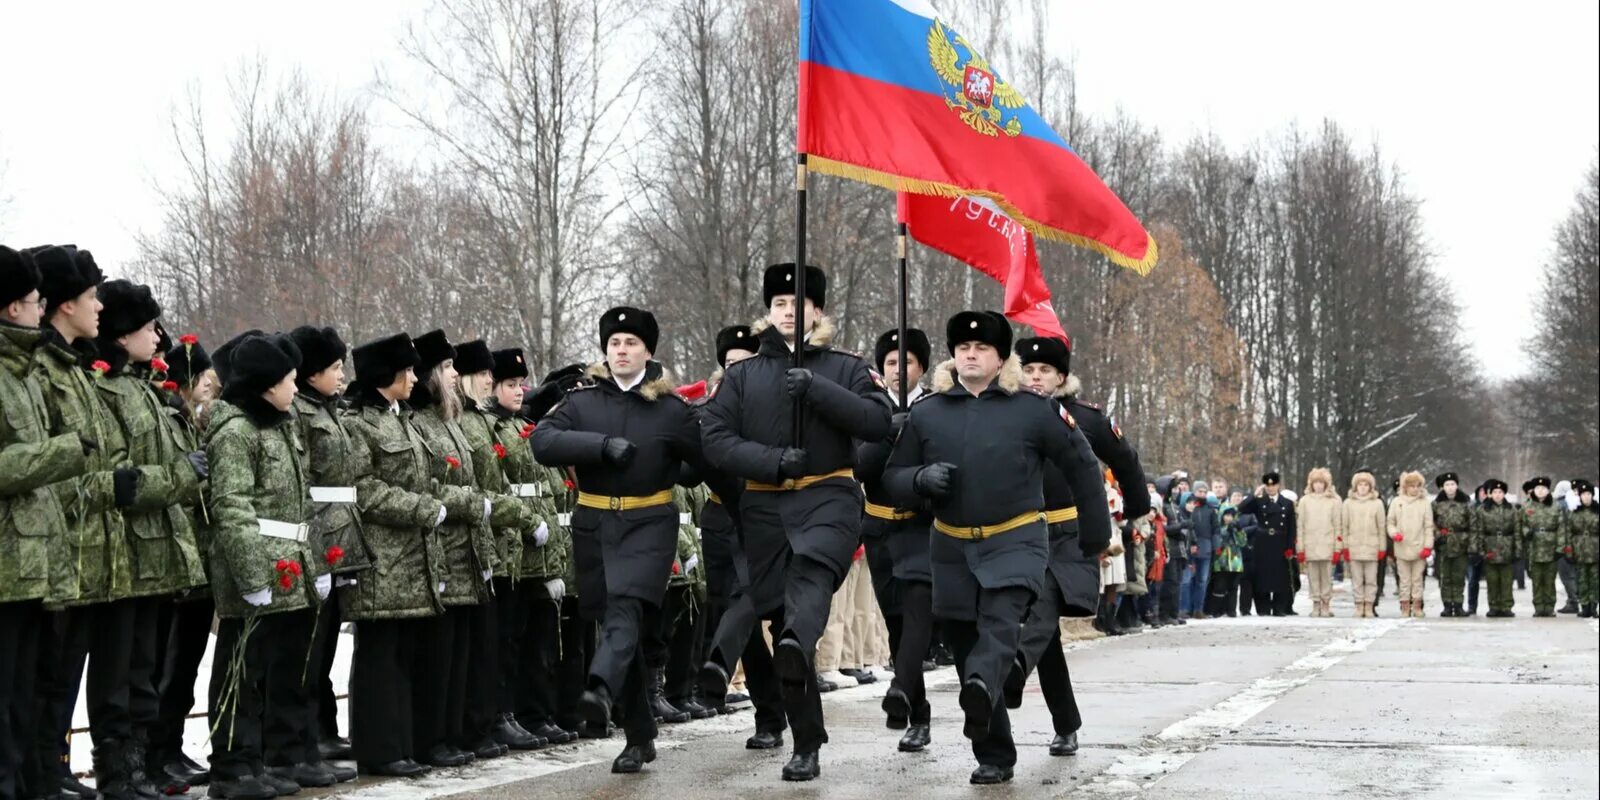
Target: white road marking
[1166, 752]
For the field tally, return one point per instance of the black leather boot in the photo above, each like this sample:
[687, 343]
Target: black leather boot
[802, 767]
[917, 737]
[1064, 745]
[633, 758]
[663, 710]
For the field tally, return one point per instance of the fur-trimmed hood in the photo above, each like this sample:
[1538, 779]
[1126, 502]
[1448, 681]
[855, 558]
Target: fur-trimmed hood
[1070, 388]
[1372, 483]
[1408, 480]
[1010, 379]
[1321, 474]
[821, 334]
[658, 380]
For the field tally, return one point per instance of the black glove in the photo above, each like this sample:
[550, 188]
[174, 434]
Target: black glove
[88, 445]
[792, 464]
[617, 451]
[897, 422]
[124, 486]
[798, 381]
[934, 480]
[202, 466]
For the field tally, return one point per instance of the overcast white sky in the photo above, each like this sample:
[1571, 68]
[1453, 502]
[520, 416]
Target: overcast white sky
[1491, 111]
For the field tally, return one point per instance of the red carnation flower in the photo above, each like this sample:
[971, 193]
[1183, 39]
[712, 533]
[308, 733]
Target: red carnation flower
[171, 386]
[334, 555]
[1489, 554]
[676, 569]
[861, 550]
[1399, 537]
[100, 367]
[283, 565]
[499, 450]
[294, 567]
[1288, 554]
[569, 484]
[286, 580]
[455, 463]
[527, 430]
[189, 339]
[158, 365]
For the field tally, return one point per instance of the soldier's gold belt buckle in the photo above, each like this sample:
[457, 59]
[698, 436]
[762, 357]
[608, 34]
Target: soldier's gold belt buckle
[616, 504]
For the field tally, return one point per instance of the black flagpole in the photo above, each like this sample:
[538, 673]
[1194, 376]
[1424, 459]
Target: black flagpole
[904, 245]
[799, 285]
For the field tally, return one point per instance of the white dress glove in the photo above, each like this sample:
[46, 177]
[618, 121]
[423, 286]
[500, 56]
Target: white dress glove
[541, 534]
[324, 585]
[556, 587]
[487, 574]
[441, 587]
[488, 508]
[688, 566]
[259, 599]
[443, 512]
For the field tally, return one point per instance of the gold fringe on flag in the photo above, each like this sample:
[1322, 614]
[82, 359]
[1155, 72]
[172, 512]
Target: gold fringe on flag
[902, 184]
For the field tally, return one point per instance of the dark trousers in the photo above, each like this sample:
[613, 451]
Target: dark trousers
[439, 690]
[55, 691]
[513, 609]
[916, 636]
[19, 655]
[187, 627]
[1041, 647]
[621, 665]
[1474, 580]
[530, 653]
[265, 710]
[1247, 594]
[678, 651]
[1171, 580]
[985, 650]
[384, 672]
[1222, 593]
[738, 637]
[579, 638]
[144, 663]
[480, 627]
[289, 732]
[886, 589]
[324, 652]
[102, 633]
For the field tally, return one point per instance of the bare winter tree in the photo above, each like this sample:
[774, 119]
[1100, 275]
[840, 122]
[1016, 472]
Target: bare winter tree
[529, 105]
[1561, 396]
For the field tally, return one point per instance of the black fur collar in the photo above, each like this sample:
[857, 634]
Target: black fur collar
[257, 409]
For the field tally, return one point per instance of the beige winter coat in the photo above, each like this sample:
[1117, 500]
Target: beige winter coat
[1320, 519]
[1411, 520]
[1365, 526]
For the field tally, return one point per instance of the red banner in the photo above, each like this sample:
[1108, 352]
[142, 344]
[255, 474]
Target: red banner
[977, 232]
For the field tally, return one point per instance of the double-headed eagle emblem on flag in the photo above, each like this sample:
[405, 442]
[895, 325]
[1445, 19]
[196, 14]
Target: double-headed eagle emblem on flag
[973, 91]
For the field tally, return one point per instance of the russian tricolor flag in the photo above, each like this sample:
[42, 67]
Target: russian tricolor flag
[892, 96]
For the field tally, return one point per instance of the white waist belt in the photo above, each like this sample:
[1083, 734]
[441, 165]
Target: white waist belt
[683, 519]
[283, 530]
[333, 494]
[527, 489]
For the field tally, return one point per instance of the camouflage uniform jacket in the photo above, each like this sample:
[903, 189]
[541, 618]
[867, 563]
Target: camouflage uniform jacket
[258, 477]
[467, 538]
[1544, 531]
[1497, 532]
[30, 460]
[539, 489]
[512, 518]
[394, 496]
[1453, 518]
[335, 463]
[88, 564]
[1584, 526]
[159, 525]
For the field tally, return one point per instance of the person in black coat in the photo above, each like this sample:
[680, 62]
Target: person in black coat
[976, 450]
[896, 542]
[1072, 585]
[1272, 546]
[628, 436]
[800, 511]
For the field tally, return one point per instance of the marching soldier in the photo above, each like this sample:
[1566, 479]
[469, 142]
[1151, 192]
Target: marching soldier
[676, 654]
[1545, 540]
[1072, 585]
[1497, 538]
[975, 449]
[1274, 546]
[159, 527]
[896, 542]
[627, 435]
[801, 507]
[31, 521]
[399, 518]
[1584, 525]
[333, 466]
[264, 579]
[1452, 513]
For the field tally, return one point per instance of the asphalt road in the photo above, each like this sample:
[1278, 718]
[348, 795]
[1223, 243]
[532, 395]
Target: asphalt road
[1246, 708]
